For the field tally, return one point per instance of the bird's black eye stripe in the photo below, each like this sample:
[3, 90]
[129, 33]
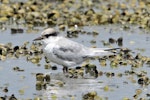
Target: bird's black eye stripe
[52, 34]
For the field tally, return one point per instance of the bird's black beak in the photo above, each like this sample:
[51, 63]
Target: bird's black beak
[39, 38]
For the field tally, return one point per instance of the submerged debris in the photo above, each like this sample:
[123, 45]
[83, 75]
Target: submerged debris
[40, 77]
[6, 97]
[91, 70]
[92, 96]
[42, 80]
[111, 40]
[70, 13]
[144, 81]
[5, 89]
[18, 69]
[54, 67]
[120, 41]
[14, 31]
[38, 86]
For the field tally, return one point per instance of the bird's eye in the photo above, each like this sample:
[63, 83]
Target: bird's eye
[52, 34]
[47, 35]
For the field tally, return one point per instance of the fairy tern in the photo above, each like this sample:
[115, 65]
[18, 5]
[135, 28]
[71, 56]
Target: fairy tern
[65, 52]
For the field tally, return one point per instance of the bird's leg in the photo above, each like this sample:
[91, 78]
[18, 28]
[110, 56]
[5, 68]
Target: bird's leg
[65, 69]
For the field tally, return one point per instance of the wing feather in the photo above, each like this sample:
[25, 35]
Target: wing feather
[73, 51]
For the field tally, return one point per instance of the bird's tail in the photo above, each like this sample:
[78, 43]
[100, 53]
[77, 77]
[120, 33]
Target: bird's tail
[101, 51]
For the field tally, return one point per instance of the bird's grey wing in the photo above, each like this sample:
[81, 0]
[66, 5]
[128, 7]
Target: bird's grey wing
[72, 53]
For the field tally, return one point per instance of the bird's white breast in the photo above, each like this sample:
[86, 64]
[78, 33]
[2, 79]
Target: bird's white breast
[48, 49]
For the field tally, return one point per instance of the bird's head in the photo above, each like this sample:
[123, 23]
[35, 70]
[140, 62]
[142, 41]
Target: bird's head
[50, 32]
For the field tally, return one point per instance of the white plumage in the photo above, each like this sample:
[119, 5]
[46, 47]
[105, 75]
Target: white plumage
[63, 51]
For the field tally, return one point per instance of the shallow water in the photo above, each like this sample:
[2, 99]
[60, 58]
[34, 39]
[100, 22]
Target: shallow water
[119, 87]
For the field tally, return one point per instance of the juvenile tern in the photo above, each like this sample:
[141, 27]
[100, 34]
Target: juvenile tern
[65, 52]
